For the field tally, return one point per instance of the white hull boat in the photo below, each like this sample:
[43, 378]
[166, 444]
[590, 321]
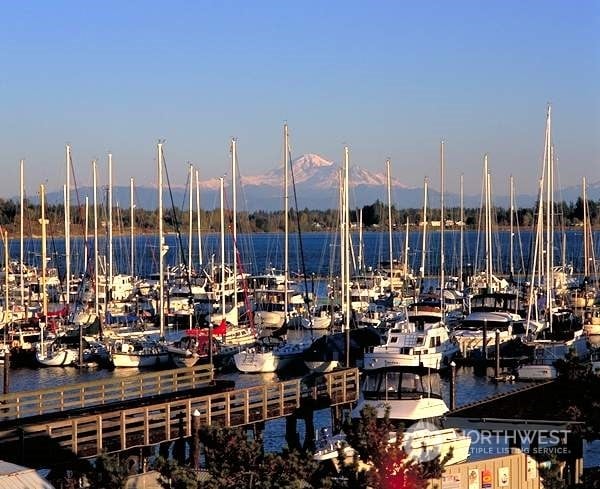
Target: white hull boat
[256, 360]
[127, 355]
[422, 342]
[537, 372]
[321, 366]
[413, 398]
[59, 358]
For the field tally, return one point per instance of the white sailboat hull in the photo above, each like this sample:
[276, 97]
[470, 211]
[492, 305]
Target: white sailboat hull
[61, 358]
[139, 360]
[252, 361]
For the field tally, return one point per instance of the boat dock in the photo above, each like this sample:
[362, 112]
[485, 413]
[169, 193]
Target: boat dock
[91, 418]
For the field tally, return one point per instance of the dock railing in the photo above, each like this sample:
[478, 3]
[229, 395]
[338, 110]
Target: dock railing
[25, 404]
[124, 428]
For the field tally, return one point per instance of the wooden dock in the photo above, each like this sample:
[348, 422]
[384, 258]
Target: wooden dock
[116, 429]
[18, 405]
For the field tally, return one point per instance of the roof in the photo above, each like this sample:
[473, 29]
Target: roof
[14, 476]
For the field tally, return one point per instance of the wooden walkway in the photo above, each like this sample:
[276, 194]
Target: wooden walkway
[41, 402]
[118, 429]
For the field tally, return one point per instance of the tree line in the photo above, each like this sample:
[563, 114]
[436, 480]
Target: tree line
[374, 216]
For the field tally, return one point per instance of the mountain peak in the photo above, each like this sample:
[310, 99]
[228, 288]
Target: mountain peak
[311, 160]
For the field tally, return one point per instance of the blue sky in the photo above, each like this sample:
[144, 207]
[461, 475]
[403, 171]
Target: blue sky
[389, 78]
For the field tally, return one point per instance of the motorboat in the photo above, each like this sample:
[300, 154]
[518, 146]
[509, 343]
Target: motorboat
[489, 312]
[412, 400]
[423, 342]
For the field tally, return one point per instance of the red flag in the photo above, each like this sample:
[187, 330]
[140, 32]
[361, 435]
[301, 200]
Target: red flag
[221, 329]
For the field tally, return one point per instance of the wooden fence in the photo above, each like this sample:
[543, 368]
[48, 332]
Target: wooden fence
[25, 404]
[117, 430]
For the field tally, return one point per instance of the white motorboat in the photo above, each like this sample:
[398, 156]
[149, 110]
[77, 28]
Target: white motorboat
[415, 404]
[490, 312]
[330, 447]
[422, 342]
[547, 352]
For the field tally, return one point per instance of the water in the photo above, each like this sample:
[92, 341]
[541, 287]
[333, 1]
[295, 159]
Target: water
[320, 251]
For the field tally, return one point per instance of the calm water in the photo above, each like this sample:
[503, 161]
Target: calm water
[319, 253]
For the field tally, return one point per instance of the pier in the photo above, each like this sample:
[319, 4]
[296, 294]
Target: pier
[88, 419]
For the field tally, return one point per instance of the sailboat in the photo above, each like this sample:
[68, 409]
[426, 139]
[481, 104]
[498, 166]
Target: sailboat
[145, 351]
[559, 332]
[45, 356]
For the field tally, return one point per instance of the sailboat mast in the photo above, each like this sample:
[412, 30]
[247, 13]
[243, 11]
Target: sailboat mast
[222, 202]
[586, 270]
[549, 222]
[21, 250]
[161, 239]
[234, 224]
[462, 230]
[488, 241]
[406, 255]
[86, 234]
[286, 205]
[190, 225]
[360, 240]
[44, 222]
[346, 208]
[67, 216]
[342, 242]
[198, 219]
[512, 228]
[96, 275]
[442, 226]
[423, 244]
[110, 224]
[389, 196]
[131, 227]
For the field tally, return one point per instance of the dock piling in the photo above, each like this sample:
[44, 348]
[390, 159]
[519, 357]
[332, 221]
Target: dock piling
[6, 385]
[497, 371]
[484, 346]
[452, 386]
[195, 456]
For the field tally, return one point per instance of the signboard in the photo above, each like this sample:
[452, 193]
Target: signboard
[503, 476]
[532, 471]
[473, 479]
[451, 481]
[486, 479]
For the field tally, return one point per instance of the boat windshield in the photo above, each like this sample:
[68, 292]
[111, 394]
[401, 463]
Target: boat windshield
[477, 325]
[494, 302]
[397, 384]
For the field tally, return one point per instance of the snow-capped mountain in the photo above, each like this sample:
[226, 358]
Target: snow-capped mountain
[317, 172]
[316, 184]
